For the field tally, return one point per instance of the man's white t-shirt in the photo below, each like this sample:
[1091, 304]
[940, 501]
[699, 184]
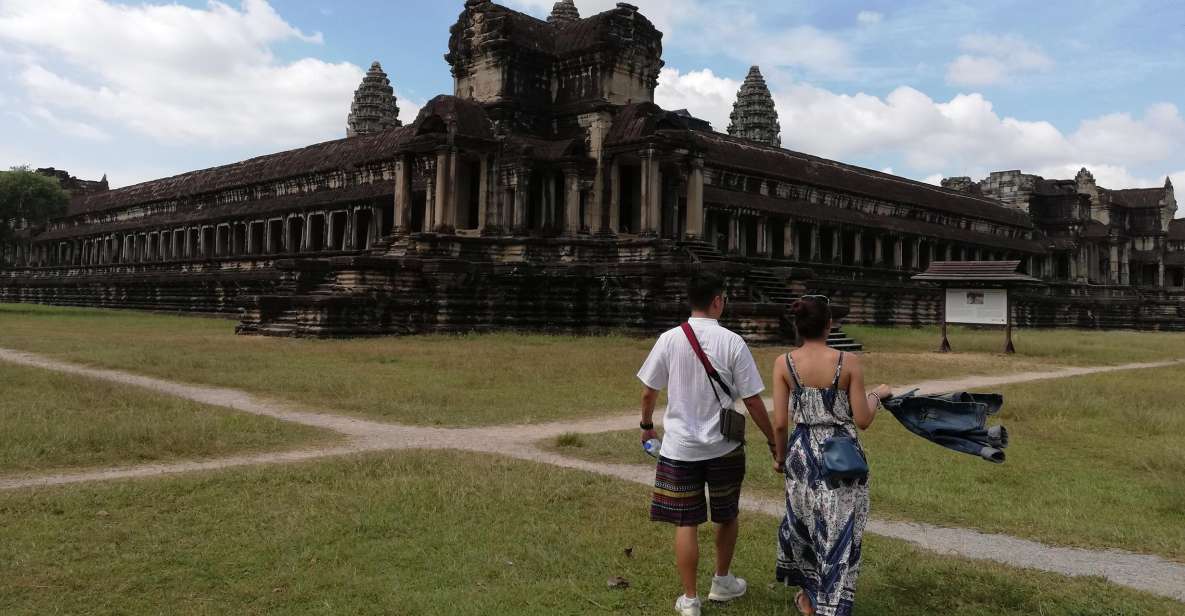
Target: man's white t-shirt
[692, 422]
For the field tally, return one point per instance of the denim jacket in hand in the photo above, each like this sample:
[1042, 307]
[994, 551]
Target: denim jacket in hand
[957, 421]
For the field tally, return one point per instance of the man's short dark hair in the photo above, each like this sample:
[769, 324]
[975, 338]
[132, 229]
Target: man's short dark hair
[703, 288]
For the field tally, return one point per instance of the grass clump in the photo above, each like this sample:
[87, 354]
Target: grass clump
[570, 440]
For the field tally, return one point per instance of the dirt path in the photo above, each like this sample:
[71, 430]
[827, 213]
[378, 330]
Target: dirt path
[1142, 572]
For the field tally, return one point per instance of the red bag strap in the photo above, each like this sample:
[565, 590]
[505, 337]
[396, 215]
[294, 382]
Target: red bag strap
[703, 359]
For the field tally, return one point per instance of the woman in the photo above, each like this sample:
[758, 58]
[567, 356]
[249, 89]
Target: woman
[819, 541]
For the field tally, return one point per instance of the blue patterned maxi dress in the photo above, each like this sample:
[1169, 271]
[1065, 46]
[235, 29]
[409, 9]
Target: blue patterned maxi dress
[820, 537]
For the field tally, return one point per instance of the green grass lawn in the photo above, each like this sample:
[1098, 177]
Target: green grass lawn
[52, 421]
[436, 380]
[1095, 462]
[437, 533]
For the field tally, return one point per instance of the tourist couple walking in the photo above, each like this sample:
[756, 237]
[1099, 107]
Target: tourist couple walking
[705, 368]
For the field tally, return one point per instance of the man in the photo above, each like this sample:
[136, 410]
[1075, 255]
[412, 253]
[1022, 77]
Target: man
[694, 451]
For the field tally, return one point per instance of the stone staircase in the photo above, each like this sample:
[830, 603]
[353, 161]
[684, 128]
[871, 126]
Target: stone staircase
[840, 341]
[702, 252]
[770, 289]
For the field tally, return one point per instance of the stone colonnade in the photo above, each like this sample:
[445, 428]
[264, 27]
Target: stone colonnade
[342, 228]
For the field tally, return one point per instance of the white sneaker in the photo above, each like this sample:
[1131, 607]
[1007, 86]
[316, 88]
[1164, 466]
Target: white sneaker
[727, 588]
[687, 607]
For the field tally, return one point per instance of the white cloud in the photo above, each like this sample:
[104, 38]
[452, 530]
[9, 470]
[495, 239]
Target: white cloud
[991, 59]
[69, 127]
[935, 179]
[704, 94]
[868, 18]
[962, 136]
[175, 74]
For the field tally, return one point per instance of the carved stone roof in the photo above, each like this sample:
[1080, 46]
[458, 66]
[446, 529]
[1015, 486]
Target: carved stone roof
[564, 11]
[1139, 197]
[722, 150]
[374, 108]
[465, 117]
[754, 116]
[721, 197]
[342, 154]
[446, 113]
[1177, 230]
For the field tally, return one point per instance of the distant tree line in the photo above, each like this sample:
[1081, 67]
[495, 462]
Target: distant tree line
[27, 200]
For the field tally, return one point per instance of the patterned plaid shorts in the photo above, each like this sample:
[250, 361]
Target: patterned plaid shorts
[679, 490]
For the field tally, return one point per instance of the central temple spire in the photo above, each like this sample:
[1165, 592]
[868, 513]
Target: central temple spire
[374, 108]
[754, 116]
[564, 11]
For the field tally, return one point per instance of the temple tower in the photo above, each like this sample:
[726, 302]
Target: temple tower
[754, 116]
[374, 108]
[564, 11]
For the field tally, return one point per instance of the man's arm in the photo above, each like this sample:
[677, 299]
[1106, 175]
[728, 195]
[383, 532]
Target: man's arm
[756, 407]
[649, 400]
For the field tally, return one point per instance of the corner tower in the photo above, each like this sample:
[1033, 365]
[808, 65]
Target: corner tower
[754, 116]
[564, 11]
[375, 108]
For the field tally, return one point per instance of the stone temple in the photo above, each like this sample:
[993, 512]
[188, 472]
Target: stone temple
[548, 192]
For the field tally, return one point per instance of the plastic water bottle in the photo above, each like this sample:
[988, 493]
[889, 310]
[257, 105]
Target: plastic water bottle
[652, 447]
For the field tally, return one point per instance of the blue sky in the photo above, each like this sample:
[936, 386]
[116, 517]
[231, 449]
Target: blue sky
[923, 88]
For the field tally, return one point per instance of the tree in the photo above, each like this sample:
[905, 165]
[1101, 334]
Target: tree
[28, 198]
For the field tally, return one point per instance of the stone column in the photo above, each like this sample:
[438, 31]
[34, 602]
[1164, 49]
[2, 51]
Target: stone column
[430, 201]
[816, 243]
[452, 212]
[695, 201]
[522, 191]
[483, 194]
[734, 235]
[571, 202]
[651, 194]
[915, 262]
[402, 220]
[1160, 272]
[441, 202]
[858, 248]
[615, 196]
[788, 243]
[763, 248]
[836, 246]
[1115, 279]
[1125, 271]
[878, 258]
[899, 253]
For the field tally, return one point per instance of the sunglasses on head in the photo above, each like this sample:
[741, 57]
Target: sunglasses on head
[823, 299]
